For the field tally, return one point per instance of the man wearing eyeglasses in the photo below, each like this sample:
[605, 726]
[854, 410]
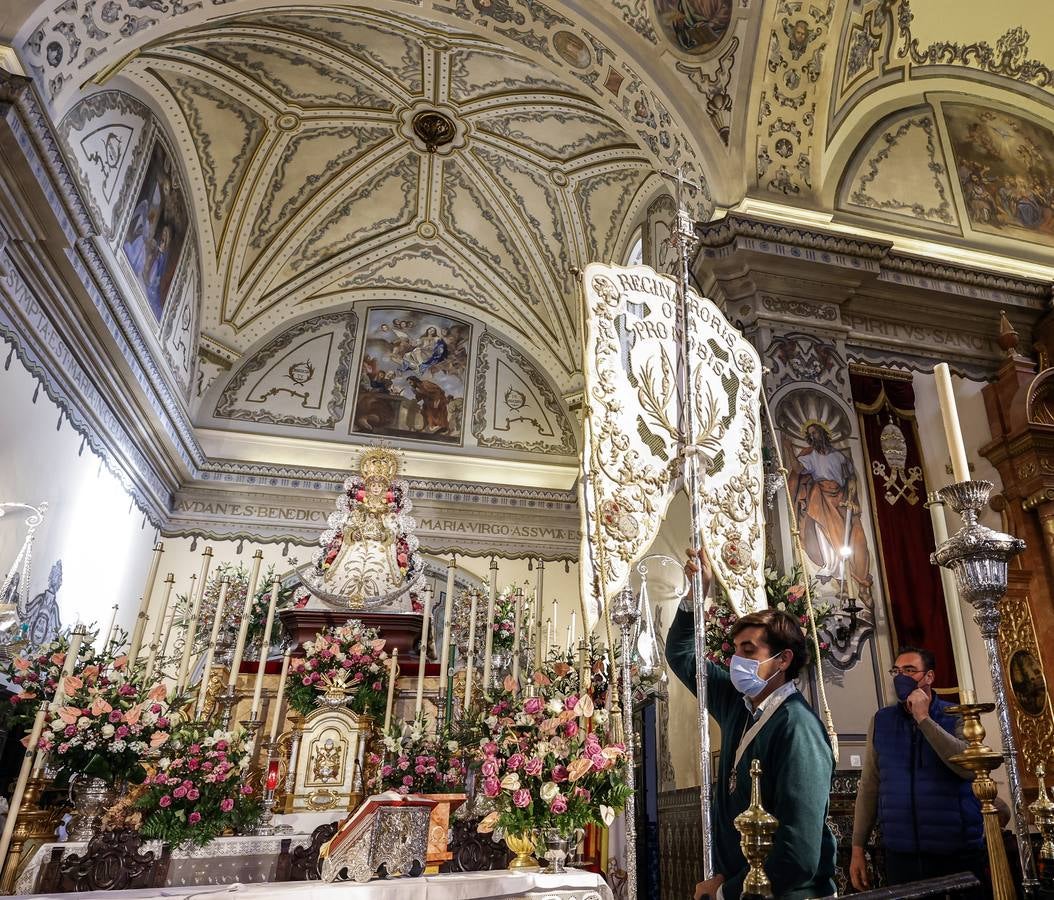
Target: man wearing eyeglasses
[929, 818]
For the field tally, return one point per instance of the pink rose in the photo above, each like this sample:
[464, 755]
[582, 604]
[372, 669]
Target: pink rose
[583, 793]
[193, 794]
[247, 789]
[408, 780]
[559, 773]
[489, 748]
[226, 804]
[533, 766]
[558, 805]
[571, 728]
[179, 792]
[165, 801]
[570, 703]
[194, 818]
[491, 787]
[533, 705]
[514, 762]
[489, 767]
[521, 798]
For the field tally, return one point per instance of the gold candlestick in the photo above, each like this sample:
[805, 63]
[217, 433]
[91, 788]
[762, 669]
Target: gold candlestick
[756, 828]
[982, 761]
[1043, 813]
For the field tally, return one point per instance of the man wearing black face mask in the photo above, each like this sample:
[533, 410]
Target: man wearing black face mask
[930, 820]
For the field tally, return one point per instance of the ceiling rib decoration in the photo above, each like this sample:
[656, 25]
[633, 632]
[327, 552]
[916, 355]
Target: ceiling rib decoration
[312, 183]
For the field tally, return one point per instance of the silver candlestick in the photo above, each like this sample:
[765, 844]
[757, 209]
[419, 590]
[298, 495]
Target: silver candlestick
[226, 701]
[625, 613]
[978, 556]
[265, 827]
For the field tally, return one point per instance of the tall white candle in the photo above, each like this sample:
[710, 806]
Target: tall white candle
[68, 665]
[571, 642]
[393, 670]
[448, 611]
[191, 630]
[243, 628]
[470, 662]
[23, 779]
[952, 430]
[210, 651]
[144, 605]
[556, 623]
[155, 642]
[265, 645]
[539, 653]
[548, 635]
[422, 657]
[956, 625]
[488, 637]
[516, 640]
[276, 721]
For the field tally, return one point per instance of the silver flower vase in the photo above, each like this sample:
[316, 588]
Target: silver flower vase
[91, 797]
[557, 848]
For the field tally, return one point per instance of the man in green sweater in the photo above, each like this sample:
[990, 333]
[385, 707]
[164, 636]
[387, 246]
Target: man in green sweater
[763, 716]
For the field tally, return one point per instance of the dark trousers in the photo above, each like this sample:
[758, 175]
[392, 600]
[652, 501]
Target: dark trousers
[904, 867]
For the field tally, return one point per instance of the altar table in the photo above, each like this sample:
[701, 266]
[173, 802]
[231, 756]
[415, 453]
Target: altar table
[530, 885]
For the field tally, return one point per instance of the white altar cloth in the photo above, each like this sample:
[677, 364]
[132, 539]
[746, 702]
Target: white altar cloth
[573, 885]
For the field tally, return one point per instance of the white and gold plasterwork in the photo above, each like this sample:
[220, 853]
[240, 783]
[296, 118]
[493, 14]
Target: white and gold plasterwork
[632, 433]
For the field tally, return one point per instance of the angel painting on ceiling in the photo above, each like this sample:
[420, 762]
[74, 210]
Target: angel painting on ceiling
[1005, 170]
[414, 376]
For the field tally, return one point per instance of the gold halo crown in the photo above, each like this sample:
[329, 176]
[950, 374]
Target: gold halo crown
[808, 423]
[379, 464]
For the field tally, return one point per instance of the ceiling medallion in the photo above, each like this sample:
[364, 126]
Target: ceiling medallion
[434, 129]
[288, 121]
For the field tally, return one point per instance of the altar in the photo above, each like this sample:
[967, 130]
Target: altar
[572, 885]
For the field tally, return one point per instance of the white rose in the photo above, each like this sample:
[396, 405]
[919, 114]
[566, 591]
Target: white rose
[107, 730]
[452, 746]
[374, 668]
[556, 706]
[83, 722]
[549, 790]
[491, 722]
[164, 762]
[148, 719]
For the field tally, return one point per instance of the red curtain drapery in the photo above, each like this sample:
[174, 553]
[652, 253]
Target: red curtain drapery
[904, 531]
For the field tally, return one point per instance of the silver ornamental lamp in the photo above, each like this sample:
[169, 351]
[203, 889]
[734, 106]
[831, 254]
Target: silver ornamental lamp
[625, 613]
[978, 556]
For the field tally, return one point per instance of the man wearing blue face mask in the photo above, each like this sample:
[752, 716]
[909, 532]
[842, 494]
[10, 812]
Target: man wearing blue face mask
[930, 820]
[762, 716]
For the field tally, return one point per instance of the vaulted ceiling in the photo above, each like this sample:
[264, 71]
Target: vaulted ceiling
[311, 182]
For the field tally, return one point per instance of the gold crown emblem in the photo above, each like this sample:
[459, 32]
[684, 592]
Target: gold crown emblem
[379, 464]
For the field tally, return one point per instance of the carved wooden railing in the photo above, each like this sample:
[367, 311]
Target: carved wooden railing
[112, 861]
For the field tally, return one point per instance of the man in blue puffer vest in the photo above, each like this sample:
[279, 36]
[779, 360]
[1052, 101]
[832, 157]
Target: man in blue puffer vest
[930, 820]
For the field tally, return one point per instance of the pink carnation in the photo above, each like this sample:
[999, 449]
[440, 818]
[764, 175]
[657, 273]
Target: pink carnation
[194, 818]
[226, 804]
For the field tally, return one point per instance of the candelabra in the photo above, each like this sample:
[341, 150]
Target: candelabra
[266, 827]
[982, 761]
[625, 614]
[756, 828]
[978, 556]
[1043, 814]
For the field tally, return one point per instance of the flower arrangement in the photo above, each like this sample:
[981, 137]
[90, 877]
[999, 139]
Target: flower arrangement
[505, 619]
[416, 762]
[350, 658]
[199, 789]
[107, 725]
[549, 764]
[785, 592]
[36, 675]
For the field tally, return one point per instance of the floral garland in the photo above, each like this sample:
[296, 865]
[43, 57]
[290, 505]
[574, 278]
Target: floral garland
[418, 763]
[108, 724]
[199, 790]
[397, 518]
[549, 763]
[783, 592]
[351, 657]
[36, 675]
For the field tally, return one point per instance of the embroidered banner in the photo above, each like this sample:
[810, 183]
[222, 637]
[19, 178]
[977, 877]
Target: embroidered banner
[631, 460]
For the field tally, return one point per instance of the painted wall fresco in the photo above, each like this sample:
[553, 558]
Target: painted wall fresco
[1005, 166]
[157, 229]
[414, 376]
[693, 26]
